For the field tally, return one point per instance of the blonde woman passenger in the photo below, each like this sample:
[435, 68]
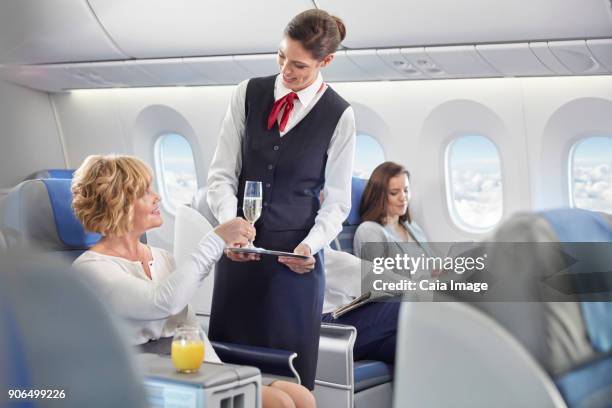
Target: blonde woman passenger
[112, 195]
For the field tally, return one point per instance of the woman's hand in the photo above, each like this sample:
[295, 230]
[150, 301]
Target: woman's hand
[237, 233]
[299, 265]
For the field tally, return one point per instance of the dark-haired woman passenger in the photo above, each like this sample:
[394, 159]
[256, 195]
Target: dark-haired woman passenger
[296, 135]
[385, 215]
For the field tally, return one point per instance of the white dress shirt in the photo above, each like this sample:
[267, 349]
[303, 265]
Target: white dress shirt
[155, 307]
[227, 162]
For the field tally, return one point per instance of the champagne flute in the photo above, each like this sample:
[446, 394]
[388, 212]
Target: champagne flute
[251, 204]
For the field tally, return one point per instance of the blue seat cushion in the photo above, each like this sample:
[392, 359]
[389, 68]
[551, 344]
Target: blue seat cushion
[357, 187]
[369, 373]
[60, 173]
[69, 230]
[589, 384]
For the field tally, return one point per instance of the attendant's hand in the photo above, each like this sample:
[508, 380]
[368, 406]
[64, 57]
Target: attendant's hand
[299, 265]
[236, 233]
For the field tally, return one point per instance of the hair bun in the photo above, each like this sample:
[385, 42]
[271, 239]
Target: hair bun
[341, 27]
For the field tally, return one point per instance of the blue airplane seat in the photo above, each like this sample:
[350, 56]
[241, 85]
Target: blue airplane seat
[57, 336]
[544, 351]
[344, 241]
[370, 373]
[40, 213]
[588, 383]
[51, 174]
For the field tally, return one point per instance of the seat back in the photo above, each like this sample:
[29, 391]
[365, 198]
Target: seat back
[590, 383]
[57, 335]
[575, 225]
[345, 238]
[189, 228]
[475, 362]
[40, 213]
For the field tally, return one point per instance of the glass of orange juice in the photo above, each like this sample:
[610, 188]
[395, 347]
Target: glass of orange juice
[188, 349]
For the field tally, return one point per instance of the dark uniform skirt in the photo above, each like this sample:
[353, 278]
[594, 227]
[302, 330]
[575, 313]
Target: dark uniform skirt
[264, 303]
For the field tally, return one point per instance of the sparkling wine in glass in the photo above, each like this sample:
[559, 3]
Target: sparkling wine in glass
[251, 204]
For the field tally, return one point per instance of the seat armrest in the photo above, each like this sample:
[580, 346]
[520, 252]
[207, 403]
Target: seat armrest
[335, 364]
[269, 361]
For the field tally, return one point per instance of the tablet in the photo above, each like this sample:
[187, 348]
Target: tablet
[262, 251]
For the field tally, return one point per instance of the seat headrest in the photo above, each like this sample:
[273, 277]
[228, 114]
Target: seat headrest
[51, 174]
[357, 187]
[40, 212]
[69, 228]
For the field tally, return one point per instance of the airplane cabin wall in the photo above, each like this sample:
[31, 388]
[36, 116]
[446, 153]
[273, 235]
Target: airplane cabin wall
[128, 121]
[30, 140]
[414, 121]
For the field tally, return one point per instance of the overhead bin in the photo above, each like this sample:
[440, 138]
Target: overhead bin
[546, 56]
[258, 65]
[591, 57]
[33, 32]
[577, 57]
[161, 28]
[602, 50]
[461, 62]
[513, 59]
[220, 70]
[344, 69]
[370, 62]
[172, 71]
[395, 23]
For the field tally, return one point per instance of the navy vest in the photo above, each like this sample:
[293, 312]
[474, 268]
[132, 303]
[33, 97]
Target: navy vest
[291, 168]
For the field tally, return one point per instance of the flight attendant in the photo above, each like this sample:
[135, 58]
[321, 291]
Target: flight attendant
[296, 135]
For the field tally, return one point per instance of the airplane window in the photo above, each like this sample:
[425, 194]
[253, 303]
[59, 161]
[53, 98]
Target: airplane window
[175, 168]
[474, 183]
[368, 154]
[591, 174]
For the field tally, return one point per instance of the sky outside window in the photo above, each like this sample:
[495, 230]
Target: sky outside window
[176, 171]
[474, 182]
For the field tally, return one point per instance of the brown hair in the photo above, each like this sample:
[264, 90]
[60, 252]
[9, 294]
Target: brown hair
[319, 32]
[104, 189]
[373, 206]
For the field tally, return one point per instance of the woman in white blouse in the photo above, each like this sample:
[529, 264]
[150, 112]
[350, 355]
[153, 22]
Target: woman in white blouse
[296, 135]
[112, 195]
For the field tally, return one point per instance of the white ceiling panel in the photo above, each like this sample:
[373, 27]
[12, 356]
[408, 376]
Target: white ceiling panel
[545, 55]
[369, 61]
[34, 31]
[602, 50]
[162, 28]
[221, 70]
[396, 23]
[577, 57]
[172, 71]
[405, 69]
[461, 62]
[258, 65]
[513, 59]
[342, 69]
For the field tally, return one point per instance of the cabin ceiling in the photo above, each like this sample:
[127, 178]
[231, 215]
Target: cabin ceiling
[67, 44]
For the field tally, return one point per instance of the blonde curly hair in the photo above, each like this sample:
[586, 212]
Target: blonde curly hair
[104, 189]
